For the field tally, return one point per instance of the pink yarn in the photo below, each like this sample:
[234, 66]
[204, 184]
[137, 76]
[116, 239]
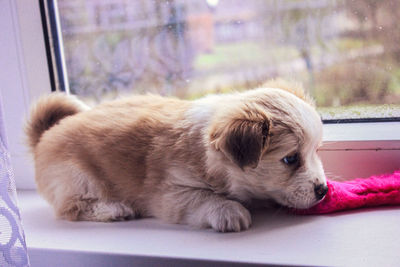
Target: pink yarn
[365, 192]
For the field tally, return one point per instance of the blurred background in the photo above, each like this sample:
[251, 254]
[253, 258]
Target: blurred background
[345, 52]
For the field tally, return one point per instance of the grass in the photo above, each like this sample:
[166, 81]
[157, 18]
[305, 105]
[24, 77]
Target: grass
[242, 53]
[346, 44]
[255, 53]
[360, 111]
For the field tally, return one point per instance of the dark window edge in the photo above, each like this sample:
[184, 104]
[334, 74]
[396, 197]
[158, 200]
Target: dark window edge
[361, 120]
[52, 44]
[46, 38]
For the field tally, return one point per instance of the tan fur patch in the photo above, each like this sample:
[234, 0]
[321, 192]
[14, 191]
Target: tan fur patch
[295, 88]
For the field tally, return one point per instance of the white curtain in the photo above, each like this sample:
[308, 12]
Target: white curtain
[12, 240]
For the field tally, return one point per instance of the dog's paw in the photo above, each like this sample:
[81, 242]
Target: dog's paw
[230, 216]
[107, 212]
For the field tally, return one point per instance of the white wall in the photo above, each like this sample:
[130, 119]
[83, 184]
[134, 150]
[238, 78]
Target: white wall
[23, 76]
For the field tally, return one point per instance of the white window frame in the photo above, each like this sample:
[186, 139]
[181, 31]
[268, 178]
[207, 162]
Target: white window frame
[350, 150]
[24, 76]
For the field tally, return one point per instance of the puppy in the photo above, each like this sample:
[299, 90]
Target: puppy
[189, 162]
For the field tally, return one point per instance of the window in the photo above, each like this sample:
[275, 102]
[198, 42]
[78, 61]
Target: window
[344, 52]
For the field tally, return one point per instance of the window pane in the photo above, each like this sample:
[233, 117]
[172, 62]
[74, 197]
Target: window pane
[346, 53]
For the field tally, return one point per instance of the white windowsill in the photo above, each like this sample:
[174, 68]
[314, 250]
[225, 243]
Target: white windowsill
[371, 131]
[367, 237]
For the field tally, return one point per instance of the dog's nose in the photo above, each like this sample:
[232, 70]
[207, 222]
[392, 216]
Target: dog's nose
[320, 191]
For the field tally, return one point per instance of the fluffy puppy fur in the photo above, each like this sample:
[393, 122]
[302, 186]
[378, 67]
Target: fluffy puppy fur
[190, 162]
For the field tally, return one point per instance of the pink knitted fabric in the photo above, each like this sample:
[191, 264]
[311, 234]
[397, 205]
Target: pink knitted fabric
[358, 193]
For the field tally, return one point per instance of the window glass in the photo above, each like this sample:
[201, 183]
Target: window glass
[346, 53]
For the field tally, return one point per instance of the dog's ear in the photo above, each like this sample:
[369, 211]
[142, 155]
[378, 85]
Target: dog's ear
[243, 141]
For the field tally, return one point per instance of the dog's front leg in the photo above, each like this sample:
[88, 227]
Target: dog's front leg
[203, 208]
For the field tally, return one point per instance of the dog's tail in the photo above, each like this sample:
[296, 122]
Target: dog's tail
[47, 112]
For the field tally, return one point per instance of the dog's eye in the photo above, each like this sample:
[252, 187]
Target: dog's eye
[290, 160]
